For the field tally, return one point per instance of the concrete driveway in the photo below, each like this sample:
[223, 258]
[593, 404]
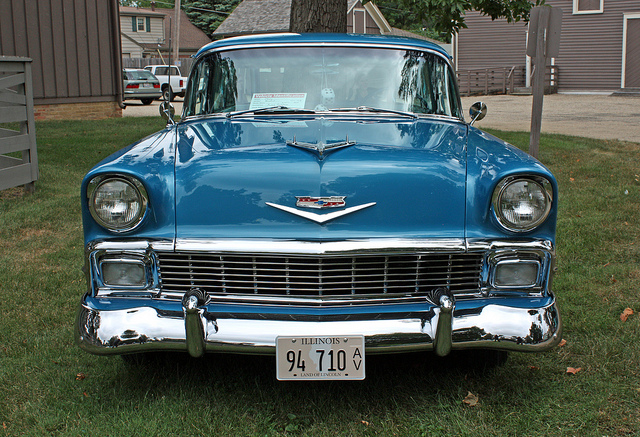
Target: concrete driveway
[592, 116]
[134, 108]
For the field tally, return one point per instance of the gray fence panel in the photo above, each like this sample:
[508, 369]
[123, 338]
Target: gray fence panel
[17, 124]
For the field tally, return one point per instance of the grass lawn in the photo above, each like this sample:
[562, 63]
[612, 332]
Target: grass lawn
[48, 386]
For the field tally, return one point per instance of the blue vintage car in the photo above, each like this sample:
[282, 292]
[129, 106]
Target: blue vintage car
[322, 198]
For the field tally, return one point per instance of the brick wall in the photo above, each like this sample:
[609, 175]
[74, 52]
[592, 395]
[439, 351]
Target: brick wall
[77, 111]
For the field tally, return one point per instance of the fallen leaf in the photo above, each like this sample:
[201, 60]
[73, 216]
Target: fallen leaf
[471, 400]
[625, 314]
[4, 425]
[562, 343]
[573, 371]
[572, 179]
[364, 422]
[80, 376]
[534, 368]
[86, 395]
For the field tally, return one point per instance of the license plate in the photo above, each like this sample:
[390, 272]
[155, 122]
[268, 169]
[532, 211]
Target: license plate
[147, 85]
[324, 358]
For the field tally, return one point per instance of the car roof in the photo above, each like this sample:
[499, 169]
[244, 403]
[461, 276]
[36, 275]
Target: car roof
[317, 38]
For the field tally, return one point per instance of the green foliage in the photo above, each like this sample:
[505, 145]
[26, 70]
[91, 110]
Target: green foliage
[447, 16]
[201, 13]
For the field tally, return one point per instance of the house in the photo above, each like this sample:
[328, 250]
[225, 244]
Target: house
[599, 45]
[75, 62]
[145, 33]
[273, 16]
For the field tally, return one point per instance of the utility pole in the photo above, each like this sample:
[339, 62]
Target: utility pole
[176, 50]
[543, 42]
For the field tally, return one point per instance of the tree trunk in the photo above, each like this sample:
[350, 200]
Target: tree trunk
[318, 16]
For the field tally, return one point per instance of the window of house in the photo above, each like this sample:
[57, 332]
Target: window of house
[588, 6]
[141, 24]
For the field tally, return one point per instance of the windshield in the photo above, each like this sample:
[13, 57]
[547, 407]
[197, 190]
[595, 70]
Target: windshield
[138, 75]
[322, 79]
[164, 71]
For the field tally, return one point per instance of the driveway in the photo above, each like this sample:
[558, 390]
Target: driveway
[592, 116]
[136, 109]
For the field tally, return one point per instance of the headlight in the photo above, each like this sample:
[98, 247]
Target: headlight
[117, 203]
[522, 203]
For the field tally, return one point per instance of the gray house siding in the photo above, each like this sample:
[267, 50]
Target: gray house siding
[591, 45]
[72, 46]
[359, 20]
[489, 44]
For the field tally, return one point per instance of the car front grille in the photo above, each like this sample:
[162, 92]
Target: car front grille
[328, 277]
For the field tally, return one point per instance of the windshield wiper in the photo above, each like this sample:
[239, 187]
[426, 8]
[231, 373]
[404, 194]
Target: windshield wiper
[271, 109]
[372, 109]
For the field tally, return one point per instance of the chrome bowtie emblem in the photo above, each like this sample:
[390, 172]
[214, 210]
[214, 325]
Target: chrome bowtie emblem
[320, 202]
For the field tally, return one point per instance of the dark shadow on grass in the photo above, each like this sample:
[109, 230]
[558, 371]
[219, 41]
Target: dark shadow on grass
[410, 373]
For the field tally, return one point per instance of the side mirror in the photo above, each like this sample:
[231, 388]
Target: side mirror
[167, 111]
[477, 112]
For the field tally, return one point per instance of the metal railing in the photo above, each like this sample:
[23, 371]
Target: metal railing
[18, 156]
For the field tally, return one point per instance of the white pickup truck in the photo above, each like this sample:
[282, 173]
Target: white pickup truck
[178, 82]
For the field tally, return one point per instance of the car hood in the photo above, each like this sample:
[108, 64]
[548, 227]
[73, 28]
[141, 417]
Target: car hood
[240, 178]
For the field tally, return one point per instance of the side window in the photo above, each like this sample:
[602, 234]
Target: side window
[588, 6]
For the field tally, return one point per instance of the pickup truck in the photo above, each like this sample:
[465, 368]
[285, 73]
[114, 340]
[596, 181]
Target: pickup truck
[178, 82]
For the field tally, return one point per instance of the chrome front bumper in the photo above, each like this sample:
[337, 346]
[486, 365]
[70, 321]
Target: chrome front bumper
[148, 325]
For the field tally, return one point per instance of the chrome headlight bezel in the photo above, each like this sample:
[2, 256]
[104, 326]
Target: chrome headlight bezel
[544, 188]
[136, 187]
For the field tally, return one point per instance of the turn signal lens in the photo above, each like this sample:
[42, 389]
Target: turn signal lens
[117, 203]
[516, 274]
[123, 274]
[522, 204]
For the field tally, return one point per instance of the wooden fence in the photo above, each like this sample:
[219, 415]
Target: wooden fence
[502, 80]
[184, 63]
[18, 157]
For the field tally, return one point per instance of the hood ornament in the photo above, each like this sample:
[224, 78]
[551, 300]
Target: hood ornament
[320, 218]
[321, 148]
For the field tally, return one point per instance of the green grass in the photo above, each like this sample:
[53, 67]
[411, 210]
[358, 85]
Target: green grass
[48, 386]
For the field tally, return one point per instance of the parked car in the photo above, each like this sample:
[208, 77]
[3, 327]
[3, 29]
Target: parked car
[165, 75]
[322, 198]
[140, 84]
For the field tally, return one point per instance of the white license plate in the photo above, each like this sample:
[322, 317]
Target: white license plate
[324, 358]
[147, 85]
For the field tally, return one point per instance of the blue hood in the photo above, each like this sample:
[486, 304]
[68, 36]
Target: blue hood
[227, 170]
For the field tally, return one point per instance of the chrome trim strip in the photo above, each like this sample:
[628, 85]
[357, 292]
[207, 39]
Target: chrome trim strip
[273, 246]
[345, 247]
[144, 329]
[325, 44]
[320, 218]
